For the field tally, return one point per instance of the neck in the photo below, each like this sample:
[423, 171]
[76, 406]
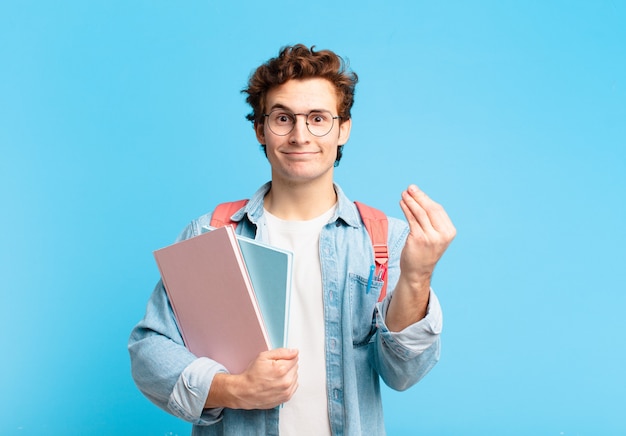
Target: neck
[299, 202]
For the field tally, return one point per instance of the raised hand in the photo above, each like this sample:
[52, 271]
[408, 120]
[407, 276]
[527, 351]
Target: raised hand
[430, 233]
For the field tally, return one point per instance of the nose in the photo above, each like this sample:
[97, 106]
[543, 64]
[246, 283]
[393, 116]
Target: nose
[300, 131]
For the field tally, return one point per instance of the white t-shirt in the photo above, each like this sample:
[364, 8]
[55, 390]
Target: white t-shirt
[307, 411]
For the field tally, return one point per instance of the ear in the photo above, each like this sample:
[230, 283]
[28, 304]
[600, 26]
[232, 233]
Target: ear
[344, 131]
[259, 129]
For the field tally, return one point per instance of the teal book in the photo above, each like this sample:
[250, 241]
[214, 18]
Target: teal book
[269, 269]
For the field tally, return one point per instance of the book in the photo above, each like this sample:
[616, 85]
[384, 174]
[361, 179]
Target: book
[213, 296]
[269, 269]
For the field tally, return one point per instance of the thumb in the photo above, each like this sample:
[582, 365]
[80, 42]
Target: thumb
[282, 354]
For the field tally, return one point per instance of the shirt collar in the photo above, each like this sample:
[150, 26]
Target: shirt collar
[346, 210]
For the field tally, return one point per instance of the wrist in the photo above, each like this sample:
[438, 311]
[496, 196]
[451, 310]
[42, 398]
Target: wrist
[223, 392]
[417, 283]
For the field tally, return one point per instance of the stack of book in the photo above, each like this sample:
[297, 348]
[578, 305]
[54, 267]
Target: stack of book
[230, 295]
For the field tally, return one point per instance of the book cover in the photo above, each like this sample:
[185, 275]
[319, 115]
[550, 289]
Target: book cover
[210, 291]
[270, 272]
[269, 269]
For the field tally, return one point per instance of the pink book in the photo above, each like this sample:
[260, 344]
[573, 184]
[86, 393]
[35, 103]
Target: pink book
[212, 297]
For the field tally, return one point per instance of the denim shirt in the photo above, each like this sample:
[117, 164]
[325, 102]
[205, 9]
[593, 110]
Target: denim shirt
[360, 350]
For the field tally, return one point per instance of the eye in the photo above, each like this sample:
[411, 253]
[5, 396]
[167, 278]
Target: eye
[318, 117]
[283, 118]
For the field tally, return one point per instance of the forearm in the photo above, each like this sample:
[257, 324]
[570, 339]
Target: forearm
[409, 303]
[157, 353]
[164, 370]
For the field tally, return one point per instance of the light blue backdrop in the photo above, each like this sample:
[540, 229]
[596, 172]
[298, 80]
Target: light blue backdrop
[120, 121]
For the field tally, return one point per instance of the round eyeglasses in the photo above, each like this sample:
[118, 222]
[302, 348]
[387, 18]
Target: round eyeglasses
[281, 122]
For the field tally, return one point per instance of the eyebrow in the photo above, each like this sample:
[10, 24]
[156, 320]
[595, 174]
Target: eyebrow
[282, 106]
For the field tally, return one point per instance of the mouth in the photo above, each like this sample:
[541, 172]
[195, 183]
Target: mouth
[297, 154]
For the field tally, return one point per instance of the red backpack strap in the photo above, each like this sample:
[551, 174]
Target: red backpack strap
[223, 212]
[374, 220]
[376, 224]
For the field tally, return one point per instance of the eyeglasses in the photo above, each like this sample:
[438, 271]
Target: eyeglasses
[281, 122]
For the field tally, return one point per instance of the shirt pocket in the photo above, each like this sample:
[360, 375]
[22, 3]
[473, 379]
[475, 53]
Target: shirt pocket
[362, 304]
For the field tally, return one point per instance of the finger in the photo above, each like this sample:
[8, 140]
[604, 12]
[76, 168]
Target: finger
[420, 197]
[416, 229]
[415, 213]
[408, 214]
[293, 388]
[437, 216]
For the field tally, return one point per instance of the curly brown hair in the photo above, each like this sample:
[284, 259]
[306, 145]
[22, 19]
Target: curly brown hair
[300, 62]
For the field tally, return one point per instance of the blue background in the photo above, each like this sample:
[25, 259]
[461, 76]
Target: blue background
[120, 121]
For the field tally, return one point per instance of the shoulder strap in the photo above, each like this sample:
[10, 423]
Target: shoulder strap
[223, 212]
[376, 224]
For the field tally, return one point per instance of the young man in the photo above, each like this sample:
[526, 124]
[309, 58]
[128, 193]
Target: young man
[342, 341]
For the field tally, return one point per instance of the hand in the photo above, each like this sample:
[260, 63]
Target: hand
[430, 233]
[270, 380]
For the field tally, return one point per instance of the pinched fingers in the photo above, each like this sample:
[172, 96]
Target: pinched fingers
[430, 233]
[416, 214]
[426, 215]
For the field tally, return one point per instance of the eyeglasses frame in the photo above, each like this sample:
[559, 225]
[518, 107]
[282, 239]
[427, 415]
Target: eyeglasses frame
[306, 115]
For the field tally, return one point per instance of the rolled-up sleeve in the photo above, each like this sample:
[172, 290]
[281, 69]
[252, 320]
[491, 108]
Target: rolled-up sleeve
[403, 358]
[191, 390]
[417, 337]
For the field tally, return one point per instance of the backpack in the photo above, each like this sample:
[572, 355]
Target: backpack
[374, 220]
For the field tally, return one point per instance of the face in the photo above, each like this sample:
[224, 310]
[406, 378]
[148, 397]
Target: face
[300, 157]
